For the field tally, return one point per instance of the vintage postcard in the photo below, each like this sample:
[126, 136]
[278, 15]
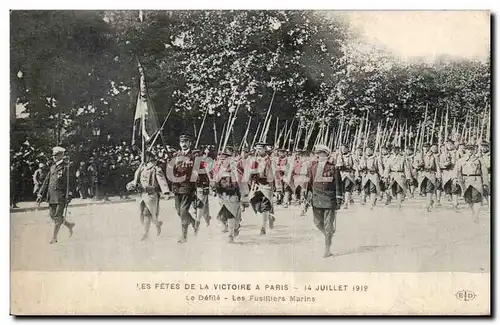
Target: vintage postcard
[250, 162]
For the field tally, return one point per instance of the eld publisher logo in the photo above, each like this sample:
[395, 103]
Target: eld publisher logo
[465, 295]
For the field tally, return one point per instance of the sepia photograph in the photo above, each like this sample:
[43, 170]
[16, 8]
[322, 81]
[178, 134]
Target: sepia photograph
[250, 162]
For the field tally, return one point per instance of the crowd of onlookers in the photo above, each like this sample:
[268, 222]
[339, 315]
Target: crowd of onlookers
[99, 172]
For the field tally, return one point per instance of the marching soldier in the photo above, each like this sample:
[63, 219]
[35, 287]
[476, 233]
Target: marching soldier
[428, 170]
[384, 159]
[471, 174]
[179, 171]
[397, 175]
[232, 191]
[286, 169]
[447, 163]
[486, 161]
[149, 180]
[439, 180]
[358, 156]
[299, 179]
[261, 198]
[57, 189]
[345, 164]
[410, 156]
[279, 161]
[202, 194]
[371, 168]
[325, 183]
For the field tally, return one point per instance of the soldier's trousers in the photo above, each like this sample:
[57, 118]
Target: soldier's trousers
[324, 219]
[450, 188]
[347, 184]
[472, 195]
[56, 213]
[427, 186]
[182, 204]
[370, 188]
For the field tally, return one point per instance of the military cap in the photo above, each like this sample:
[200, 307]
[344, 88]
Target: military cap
[185, 137]
[427, 145]
[58, 150]
[321, 148]
[485, 144]
[470, 147]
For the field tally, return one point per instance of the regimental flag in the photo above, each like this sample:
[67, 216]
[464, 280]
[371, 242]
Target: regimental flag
[145, 119]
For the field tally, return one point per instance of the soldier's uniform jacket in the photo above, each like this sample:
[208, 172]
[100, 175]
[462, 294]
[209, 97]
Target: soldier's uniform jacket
[263, 179]
[202, 179]
[397, 170]
[447, 163]
[325, 194]
[150, 181]
[486, 162]
[409, 162]
[55, 185]
[370, 168]
[471, 172]
[384, 160]
[230, 187]
[300, 172]
[345, 164]
[427, 167]
[227, 176]
[356, 160]
[183, 167]
[287, 166]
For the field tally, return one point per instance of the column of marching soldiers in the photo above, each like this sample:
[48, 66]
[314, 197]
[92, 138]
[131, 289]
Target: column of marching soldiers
[266, 176]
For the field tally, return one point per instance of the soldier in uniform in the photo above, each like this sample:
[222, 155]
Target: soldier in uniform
[384, 159]
[325, 184]
[486, 161]
[410, 156]
[286, 165]
[447, 163]
[439, 180]
[345, 164]
[428, 172]
[358, 156]
[39, 177]
[299, 179]
[179, 171]
[397, 175]
[371, 168]
[261, 198]
[471, 174]
[232, 191]
[57, 189]
[149, 180]
[202, 193]
[278, 159]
